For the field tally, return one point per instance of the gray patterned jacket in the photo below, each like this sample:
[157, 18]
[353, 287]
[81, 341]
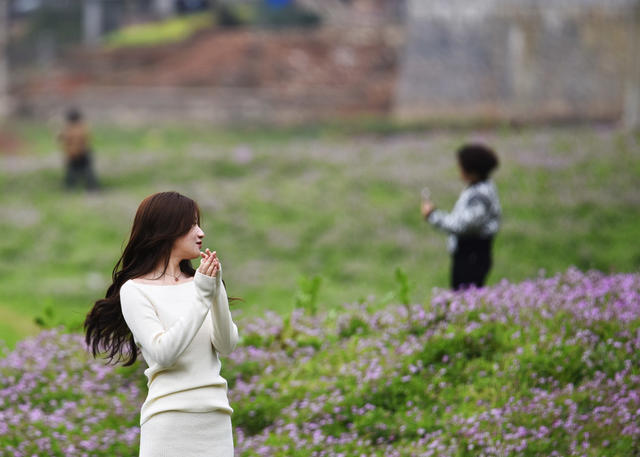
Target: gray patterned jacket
[476, 213]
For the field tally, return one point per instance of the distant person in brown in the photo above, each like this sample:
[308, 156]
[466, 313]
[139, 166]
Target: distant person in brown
[76, 145]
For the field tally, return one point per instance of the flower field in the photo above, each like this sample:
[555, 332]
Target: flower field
[546, 367]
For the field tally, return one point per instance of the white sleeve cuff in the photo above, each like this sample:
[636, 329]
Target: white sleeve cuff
[208, 285]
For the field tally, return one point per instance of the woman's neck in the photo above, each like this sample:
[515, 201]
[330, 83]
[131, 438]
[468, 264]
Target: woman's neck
[171, 273]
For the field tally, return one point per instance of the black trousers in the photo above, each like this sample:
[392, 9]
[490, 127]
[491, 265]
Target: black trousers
[471, 262]
[81, 169]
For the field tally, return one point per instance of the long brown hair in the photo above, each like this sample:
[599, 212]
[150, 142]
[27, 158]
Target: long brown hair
[161, 219]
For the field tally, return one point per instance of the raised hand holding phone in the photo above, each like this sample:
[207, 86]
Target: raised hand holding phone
[427, 206]
[425, 193]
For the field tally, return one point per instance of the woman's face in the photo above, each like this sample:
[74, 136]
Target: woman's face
[188, 246]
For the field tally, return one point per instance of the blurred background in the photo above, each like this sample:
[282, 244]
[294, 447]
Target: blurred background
[227, 61]
[306, 129]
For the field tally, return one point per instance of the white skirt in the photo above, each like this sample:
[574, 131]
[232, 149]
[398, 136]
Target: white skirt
[184, 434]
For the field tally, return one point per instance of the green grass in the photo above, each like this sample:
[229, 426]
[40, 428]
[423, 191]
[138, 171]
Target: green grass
[167, 31]
[337, 202]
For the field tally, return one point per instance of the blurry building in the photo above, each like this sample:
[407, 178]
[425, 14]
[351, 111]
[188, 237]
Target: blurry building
[517, 59]
[4, 75]
[487, 60]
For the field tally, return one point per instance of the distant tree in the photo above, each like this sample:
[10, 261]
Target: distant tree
[285, 13]
[192, 6]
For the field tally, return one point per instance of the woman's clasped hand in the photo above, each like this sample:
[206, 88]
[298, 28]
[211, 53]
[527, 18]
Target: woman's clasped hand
[209, 264]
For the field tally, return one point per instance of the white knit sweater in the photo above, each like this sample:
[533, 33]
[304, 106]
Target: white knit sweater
[181, 329]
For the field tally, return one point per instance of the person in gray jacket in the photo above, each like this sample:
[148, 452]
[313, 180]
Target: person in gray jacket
[475, 219]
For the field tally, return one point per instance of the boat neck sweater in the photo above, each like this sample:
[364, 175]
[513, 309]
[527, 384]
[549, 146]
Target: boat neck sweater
[180, 330]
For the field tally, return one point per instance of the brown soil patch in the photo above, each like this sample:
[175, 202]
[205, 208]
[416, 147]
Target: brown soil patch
[10, 143]
[290, 63]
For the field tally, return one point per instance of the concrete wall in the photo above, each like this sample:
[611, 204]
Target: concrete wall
[126, 105]
[516, 59]
[632, 86]
[4, 74]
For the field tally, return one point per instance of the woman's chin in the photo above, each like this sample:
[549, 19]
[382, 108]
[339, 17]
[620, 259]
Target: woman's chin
[194, 255]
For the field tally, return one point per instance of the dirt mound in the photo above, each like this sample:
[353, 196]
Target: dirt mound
[287, 62]
[10, 143]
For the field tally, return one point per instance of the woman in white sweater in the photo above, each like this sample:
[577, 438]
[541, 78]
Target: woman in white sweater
[180, 320]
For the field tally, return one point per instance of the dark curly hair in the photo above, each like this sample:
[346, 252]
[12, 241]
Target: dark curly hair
[477, 159]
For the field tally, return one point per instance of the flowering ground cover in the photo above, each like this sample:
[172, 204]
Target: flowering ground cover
[546, 367]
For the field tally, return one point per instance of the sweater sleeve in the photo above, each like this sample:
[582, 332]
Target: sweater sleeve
[461, 221]
[163, 345]
[225, 333]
